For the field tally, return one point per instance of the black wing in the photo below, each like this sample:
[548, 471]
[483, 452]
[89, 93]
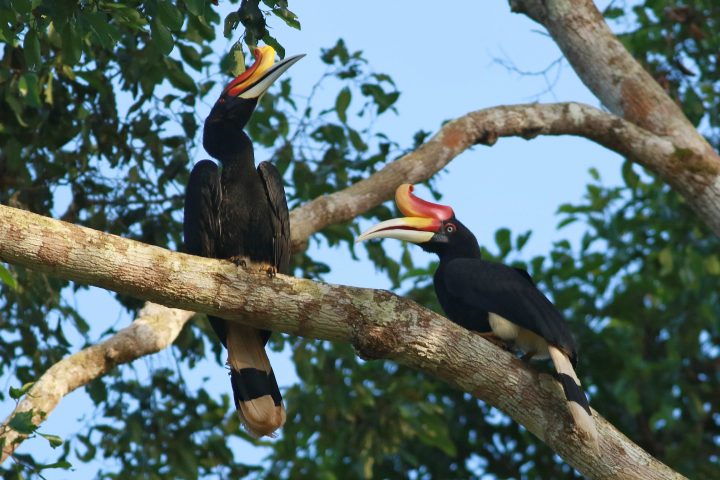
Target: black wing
[280, 218]
[525, 274]
[507, 292]
[201, 222]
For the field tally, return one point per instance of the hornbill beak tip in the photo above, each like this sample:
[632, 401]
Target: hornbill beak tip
[409, 229]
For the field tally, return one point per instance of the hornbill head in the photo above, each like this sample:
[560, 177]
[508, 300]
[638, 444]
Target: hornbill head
[430, 225]
[238, 100]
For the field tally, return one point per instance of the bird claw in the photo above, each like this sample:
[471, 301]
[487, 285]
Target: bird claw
[527, 357]
[240, 261]
[271, 272]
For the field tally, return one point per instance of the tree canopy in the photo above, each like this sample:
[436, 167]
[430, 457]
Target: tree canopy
[98, 105]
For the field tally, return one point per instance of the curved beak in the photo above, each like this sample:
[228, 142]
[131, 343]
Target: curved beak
[409, 229]
[255, 81]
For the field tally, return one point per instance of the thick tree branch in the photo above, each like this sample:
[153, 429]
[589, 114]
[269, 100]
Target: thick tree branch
[378, 323]
[483, 126]
[623, 85]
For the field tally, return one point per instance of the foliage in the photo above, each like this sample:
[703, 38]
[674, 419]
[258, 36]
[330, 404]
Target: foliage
[121, 78]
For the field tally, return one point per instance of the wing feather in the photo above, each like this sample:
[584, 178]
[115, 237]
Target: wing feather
[201, 223]
[510, 293]
[280, 217]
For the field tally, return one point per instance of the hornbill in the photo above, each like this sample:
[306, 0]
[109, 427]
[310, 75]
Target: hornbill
[240, 213]
[495, 300]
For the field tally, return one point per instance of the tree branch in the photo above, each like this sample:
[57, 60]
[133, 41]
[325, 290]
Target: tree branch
[628, 90]
[153, 330]
[480, 127]
[483, 127]
[378, 323]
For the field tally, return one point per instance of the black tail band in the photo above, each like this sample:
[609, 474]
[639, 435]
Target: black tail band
[251, 383]
[574, 392]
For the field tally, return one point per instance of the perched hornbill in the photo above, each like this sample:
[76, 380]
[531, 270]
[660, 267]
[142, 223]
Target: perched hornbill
[488, 297]
[240, 213]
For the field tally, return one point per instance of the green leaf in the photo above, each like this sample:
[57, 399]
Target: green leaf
[28, 87]
[16, 393]
[48, 92]
[341, 104]
[179, 78]
[693, 106]
[231, 22]
[31, 47]
[7, 278]
[60, 464]
[239, 57]
[22, 423]
[631, 178]
[613, 12]
[196, 7]
[287, 16]
[71, 46]
[169, 15]
[522, 239]
[54, 440]
[22, 7]
[502, 238]
[190, 56]
[162, 37]
[666, 261]
[566, 221]
[712, 265]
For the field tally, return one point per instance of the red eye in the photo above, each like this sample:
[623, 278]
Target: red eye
[450, 228]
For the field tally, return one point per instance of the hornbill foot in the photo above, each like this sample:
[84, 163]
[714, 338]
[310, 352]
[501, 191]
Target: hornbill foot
[239, 260]
[527, 357]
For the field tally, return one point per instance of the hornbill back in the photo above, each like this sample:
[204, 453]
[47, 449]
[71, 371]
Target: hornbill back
[240, 213]
[490, 298]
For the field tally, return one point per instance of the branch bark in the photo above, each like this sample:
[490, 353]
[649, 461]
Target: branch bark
[629, 91]
[485, 127]
[480, 127]
[379, 324]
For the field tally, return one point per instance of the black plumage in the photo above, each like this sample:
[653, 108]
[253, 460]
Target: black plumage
[472, 287]
[239, 212]
[490, 298]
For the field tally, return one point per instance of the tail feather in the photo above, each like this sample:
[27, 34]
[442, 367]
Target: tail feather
[577, 401]
[255, 390]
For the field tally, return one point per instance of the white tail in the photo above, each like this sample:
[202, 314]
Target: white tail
[577, 401]
[257, 396]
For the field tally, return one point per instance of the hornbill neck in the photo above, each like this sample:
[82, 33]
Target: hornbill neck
[465, 249]
[231, 146]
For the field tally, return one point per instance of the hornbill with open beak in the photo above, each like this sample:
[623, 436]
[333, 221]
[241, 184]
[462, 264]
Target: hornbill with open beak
[490, 298]
[240, 213]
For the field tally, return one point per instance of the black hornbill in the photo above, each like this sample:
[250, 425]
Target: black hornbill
[240, 213]
[490, 298]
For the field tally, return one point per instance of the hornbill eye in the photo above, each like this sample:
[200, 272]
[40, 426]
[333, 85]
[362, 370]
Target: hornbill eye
[450, 228]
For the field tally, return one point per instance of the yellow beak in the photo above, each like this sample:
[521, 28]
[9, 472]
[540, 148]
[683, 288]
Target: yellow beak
[254, 81]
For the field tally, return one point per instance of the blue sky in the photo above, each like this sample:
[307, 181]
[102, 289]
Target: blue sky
[442, 57]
